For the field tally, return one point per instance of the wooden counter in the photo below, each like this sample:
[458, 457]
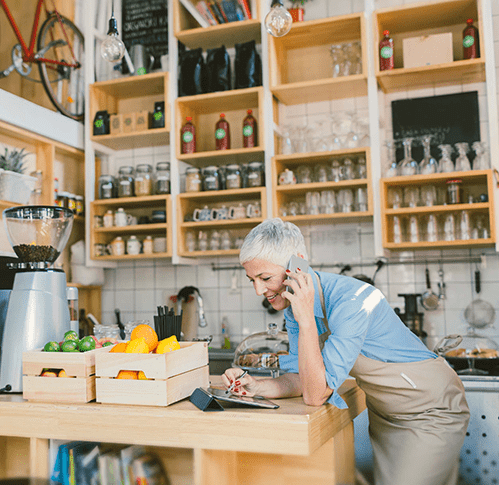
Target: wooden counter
[307, 444]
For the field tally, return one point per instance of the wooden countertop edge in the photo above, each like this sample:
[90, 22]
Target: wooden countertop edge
[294, 428]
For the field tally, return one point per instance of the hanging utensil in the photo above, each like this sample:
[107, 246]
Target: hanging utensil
[441, 285]
[429, 299]
[479, 313]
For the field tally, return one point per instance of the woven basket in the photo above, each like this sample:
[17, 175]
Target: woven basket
[16, 187]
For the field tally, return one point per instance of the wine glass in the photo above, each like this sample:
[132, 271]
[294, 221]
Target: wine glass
[352, 137]
[335, 140]
[337, 59]
[481, 161]
[408, 166]
[320, 136]
[462, 161]
[428, 164]
[445, 164]
[393, 168]
[285, 142]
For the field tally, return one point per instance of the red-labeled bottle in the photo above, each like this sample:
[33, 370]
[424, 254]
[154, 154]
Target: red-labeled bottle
[471, 45]
[386, 52]
[249, 130]
[222, 134]
[188, 136]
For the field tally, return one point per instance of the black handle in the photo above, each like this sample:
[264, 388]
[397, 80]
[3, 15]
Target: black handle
[428, 284]
[478, 285]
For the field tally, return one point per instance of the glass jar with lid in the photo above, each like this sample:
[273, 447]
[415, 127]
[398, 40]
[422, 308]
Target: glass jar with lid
[162, 178]
[192, 179]
[255, 175]
[143, 180]
[210, 178]
[126, 182]
[110, 330]
[108, 188]
[263, 352]
[233, 176]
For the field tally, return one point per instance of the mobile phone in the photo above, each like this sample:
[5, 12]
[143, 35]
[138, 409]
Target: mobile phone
[296, 262]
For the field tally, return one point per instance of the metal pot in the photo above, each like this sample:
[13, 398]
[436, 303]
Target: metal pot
[429, 299]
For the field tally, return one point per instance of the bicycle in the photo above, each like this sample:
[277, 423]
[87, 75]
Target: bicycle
[59, 56]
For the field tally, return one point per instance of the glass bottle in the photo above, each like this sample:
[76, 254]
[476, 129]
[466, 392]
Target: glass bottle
[462, 161]
[397, 230]
[481, 161]
[386, 52]
[347, 172]
[408, 166]
[361, 168]
[192, 179]
[471, 44]
[126, 182]
[428, 164]
[210, 178]
[335, 171]
[222, 134]
[255, 174]
[445, 164]
[143, 180]
[158, 115]
[107, 187]
[162, 178]
[188, 136]
[393, 169]
[233, 176]
[249, 130]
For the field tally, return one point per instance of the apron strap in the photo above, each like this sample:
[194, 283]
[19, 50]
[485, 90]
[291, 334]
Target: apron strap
[323, 336]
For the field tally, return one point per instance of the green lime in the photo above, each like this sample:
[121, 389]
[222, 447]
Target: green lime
[71, 335]
[107, 344]
[51, 347]
[86, 343]
[70, 346]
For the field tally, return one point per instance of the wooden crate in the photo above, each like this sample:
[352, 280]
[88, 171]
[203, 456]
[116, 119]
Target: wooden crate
[80, 387]
[170, 377]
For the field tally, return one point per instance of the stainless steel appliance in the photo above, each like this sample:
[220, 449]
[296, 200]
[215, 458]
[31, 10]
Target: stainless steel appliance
[38, 310]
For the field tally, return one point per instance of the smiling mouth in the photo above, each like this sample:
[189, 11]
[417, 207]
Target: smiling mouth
[273, 297]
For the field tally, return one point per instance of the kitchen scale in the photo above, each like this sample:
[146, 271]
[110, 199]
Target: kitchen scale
[38, 310]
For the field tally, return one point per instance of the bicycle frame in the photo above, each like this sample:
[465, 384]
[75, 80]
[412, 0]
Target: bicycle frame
[29, 52]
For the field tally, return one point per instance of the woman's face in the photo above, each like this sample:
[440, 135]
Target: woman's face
[267, 279]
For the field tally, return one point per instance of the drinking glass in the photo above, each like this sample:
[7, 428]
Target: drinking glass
[334, 140]
[408, 166]
[336, 58]
[347, 172]
[352, 136]
[428, 164]
[481, 161]
[413, 232]
[293, 209]
[428, 195]
[328, 202]
[393, 168]
[395, 197]
[335, 172]
[301, 142]
[445, 164]
[449, 228]
[397, 230]
[346, 64]
[313, 201]
[462, 161]
[345, 200]
[304, 174]
[480, 230]
[285, 142]
[319, 135]
[361, 168]
[320, 173]
[361, 199]
[431, 228]
[411, 196]
[464, 225]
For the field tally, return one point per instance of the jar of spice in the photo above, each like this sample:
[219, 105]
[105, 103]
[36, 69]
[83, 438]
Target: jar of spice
[143, 180]
[80, 206]
[255, 174]
[71, 202]
[107, 187]
[210, 178]
[454, 191]
[233, 176]
[162, 178]
[125, 182]
[192, 180]
[147, 245]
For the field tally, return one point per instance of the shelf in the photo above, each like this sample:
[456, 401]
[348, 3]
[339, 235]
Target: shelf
[144, 201]
[139, 139]
[196, 254]
[470, 243]
[132, 229]
[223, 195]
[438, 209]
[224, 34]
[234, 155]
[340, 216]
[416, 20]
[243, 222]
[296, 189]
[314, 157]
[126, 257]
[436, 177]
[133, 86]
[301, 66]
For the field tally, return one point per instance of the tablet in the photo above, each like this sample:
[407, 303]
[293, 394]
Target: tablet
[256, 401]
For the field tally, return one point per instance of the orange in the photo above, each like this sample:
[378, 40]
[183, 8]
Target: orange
[167, 345]
[127, 374]
[121, 347]
[137, 346]
[148, 333]
[142, 376]
[62, 373]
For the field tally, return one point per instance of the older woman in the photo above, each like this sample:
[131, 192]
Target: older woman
[338, 326]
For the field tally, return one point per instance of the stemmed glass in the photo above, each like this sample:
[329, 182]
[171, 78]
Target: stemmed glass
[320, 136]
[428, 164]
[481, 161]
[352, 138]
[462, 161]
[408, 166]
[284, 134]
[445, 164]
[393, 169]
[335, 142]
[337, 58]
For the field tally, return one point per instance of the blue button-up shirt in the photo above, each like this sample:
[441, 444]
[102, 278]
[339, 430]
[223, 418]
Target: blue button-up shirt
[361, 322]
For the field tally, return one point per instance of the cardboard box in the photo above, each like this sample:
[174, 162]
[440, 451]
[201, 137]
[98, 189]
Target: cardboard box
[141, 120]
[129, 123]
[116, 124]
[427, 50]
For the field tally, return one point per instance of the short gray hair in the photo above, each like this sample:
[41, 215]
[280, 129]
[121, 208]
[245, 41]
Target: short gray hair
[274, 241]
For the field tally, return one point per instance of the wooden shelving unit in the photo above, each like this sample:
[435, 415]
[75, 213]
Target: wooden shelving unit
[136, 206]
[301, 66]
[127, 95]
[416, 20]
[283, 194]
[475, 183]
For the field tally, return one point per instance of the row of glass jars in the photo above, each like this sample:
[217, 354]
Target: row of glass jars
[138, 182]
[230, 176]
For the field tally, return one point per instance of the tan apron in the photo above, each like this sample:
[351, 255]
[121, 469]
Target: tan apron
[418, 418]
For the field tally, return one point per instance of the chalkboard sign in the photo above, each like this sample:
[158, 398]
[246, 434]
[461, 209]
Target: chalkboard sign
[146, 22]
[452, 118]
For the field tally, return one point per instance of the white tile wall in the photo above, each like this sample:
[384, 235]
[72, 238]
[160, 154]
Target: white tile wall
[138, 288]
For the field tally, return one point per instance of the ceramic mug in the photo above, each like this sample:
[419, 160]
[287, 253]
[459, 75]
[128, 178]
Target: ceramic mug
[204, 214]
[238, 212]
[222, 213]
[253, 210]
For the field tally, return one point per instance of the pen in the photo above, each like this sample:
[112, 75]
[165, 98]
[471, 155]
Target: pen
[236, 379]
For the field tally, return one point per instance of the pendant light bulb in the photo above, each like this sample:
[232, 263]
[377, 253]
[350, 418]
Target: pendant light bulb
[112, 49]
[278, 21]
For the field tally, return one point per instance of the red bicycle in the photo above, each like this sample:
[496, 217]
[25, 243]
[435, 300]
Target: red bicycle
[59, 55]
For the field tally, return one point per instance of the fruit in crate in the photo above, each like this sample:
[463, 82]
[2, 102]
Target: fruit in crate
[70, 346]
[137, 346]
[71, 335]
[86, 343]
[142, 376]
[72, 343]
[119, 347]
[127, 374]
[48, 373]
[167, 345]
[148, 333]
[52, 347]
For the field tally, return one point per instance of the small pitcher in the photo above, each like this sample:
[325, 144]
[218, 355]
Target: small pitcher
[238, 212]
[204, 214]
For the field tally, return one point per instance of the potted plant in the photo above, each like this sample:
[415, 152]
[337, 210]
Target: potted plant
[15, 186]
[297, 10]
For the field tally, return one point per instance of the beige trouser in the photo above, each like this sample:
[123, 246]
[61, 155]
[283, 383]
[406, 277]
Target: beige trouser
[418, 418]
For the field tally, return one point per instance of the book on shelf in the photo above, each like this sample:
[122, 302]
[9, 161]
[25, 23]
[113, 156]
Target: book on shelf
[231, 12]
[246, 9]
[206, 13]
[195, 13]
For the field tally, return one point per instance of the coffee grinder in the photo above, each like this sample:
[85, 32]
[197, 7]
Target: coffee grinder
[412, 318]
[37, 311]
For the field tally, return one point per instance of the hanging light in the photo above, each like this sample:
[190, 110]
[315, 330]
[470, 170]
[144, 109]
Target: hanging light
[278, 21]
[112, 48]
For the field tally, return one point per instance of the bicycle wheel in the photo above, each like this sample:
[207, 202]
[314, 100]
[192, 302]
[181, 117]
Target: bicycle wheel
[63, 42]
